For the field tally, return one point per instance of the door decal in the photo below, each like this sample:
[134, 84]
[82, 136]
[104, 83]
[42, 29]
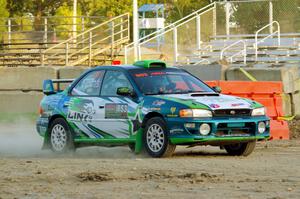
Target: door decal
[116, 111]
[81, 110]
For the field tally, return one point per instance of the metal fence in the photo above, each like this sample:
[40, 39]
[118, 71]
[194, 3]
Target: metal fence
[105, 39]
[245, 17]
[179, 40]
[44, 29]
[191, 37]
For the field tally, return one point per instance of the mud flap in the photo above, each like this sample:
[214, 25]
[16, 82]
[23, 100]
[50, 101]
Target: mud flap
[139, 141]
[46, 144]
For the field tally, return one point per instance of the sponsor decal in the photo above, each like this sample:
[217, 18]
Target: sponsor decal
[81, 110]
[172, 115]
[155, 109]
[157, 73]
[136, 121]
[43, 121]
[214, 105]
[116, 111]
[42, 129]
[237, 104]
[141, 75]
[173, 109]
[158, 103]
[178, 130]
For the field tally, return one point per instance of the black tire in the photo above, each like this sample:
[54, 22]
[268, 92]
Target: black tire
[158, 145]
[132, 147]
[66, 137]
[240, 149]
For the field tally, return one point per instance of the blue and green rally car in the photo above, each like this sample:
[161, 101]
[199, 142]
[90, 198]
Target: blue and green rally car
[147, 106]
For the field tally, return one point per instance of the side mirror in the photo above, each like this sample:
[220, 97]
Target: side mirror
[217, 89]
[125, 91]
[48, 88]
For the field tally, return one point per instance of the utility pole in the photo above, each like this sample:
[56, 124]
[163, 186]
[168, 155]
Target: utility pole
[135, 30]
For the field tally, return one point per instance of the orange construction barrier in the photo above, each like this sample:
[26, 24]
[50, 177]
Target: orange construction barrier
[267, 93]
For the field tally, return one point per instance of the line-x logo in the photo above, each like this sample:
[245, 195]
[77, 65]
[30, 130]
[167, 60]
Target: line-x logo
[81, 110]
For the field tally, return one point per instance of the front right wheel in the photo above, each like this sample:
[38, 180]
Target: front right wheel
[240, 149]
[156, 138]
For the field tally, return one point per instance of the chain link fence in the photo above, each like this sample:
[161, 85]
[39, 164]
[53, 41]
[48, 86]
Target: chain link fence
[246, 17]
[226, 19]
[44, 29]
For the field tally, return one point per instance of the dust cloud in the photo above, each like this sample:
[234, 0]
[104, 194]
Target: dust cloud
[19, 138]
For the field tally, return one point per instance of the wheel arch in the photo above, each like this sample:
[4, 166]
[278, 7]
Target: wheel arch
[149, 116]
[46, 144]
[53, 117]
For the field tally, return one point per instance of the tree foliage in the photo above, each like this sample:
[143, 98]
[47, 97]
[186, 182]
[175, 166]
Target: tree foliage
[3, 13]
[180, 8]
[249, 16]
[63, 24]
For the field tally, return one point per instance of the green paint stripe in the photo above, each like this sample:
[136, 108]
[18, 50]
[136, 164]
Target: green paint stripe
[99, 140]
[104, 134]
[193, 140]
[74, 126]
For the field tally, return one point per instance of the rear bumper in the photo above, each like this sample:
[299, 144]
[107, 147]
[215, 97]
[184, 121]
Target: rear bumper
[42, 125]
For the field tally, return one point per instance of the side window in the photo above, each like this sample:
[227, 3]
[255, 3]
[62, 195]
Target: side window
[112, 81]
[89, 85]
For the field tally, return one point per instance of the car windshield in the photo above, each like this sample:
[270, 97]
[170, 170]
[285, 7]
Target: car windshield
[167, 81]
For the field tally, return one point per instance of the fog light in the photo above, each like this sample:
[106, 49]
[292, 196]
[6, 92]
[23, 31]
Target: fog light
[261, 127]
[204, 129]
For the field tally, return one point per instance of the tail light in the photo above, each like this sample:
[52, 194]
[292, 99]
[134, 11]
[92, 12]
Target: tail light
[41, 111]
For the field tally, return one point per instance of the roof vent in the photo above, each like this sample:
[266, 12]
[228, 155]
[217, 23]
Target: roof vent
[150, 64]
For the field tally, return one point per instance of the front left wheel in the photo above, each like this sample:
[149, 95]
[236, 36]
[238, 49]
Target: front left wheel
[156, 138]
[61, 139]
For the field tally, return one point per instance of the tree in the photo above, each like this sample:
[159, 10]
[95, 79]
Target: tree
[64, 23]
[178, 8]
[3, 14]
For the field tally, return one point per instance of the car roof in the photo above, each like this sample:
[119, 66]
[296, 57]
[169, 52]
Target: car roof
[124, 67]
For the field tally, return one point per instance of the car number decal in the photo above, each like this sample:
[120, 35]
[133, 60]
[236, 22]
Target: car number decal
[116, 111]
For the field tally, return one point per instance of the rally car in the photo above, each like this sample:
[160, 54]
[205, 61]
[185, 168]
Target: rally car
[148, 106]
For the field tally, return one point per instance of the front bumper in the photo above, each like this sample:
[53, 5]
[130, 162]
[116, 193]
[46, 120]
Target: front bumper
[223, 130]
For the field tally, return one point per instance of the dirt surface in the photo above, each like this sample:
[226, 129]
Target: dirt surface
[294, 127]
[271, 171]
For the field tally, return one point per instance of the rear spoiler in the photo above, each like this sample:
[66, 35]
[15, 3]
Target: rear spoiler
[49, 88]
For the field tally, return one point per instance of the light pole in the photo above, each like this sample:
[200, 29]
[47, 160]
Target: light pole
[74, 27]
[135, 30]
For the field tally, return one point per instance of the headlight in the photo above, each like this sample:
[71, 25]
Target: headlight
[258, 111]
[195, 113]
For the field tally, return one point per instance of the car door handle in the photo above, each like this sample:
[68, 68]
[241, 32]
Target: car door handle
[101, 107]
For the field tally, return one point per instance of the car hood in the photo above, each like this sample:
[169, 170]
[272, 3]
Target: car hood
[212, 101]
